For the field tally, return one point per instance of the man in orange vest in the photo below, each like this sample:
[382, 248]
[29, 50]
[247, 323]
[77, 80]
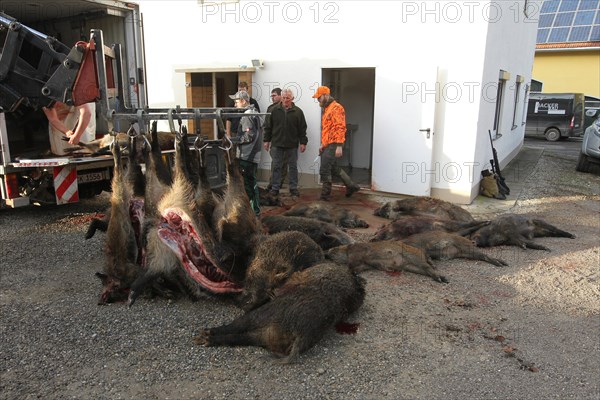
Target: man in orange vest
[333, 136]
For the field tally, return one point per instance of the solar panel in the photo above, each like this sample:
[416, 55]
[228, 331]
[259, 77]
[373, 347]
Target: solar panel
[558, 35]
[566, 21]
[550, 6]
[542, 35]
[579, 33]
[546, 20]
[584, 18]
[569, 5]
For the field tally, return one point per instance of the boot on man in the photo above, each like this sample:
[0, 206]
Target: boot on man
[326, 191]
[351, 187]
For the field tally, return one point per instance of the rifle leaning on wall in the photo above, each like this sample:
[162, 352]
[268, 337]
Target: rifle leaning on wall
[502, 187]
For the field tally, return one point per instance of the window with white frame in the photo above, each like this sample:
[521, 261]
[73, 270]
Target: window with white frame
[518, 83]
[525, 100]
[502, 79]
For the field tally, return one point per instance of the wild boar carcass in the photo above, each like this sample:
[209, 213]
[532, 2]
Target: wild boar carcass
[165, 141]
[324, 234]
[122, 243]
[423, 206]
[327, 213]
[277, 257]
[135, 178]
[406, 226]
[517, 230]
[303, 310]
[181, 240]
[236, 224]
[441, 245]
[386, 255]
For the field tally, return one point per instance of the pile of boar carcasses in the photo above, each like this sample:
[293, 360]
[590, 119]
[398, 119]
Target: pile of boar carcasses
[294, 275]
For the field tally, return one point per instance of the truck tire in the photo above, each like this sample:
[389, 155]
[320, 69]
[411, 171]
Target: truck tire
[583, 165]
[552, 135]
[88, 191]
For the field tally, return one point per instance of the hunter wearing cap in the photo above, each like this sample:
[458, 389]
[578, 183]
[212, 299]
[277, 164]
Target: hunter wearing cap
[333, 136]
[248, 139]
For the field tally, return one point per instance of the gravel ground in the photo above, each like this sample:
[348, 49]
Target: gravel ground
[530, 330]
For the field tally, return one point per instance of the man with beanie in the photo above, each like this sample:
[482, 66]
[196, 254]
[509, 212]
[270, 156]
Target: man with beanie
[248, 139]
[333, 136]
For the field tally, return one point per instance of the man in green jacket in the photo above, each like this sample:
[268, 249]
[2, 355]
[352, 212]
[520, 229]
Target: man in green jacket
[285, 132]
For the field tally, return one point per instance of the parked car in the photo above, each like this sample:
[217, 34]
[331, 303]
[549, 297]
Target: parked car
[590, 148]
[592, 110]
[555, 115]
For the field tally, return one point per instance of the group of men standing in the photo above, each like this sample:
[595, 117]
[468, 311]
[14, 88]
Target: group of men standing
[284, 136]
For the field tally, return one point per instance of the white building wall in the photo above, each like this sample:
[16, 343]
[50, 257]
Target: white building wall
[296, 39]
[511, 47]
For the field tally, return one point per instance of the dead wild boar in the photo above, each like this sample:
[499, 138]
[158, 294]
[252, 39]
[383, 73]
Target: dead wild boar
[136, 178]
[277, 257]
[267, 200]
[180, 246]
[516, 230]
[441, 245]
[303, 310]
[158, 176]
[386, 255]
[235, 222]
[97, 224]
[160, 142]
[327, 213]
[165, 140]
[121, 247]
[324, 234]
[423, 206]
[406, 226]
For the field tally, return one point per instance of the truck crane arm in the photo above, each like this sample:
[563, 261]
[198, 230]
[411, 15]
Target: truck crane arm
[37, 70]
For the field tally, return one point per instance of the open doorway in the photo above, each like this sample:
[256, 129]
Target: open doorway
[354, 88]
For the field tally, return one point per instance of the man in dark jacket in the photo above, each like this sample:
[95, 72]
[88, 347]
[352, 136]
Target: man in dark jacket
[276, 100]
[285, 132]
[248, 138]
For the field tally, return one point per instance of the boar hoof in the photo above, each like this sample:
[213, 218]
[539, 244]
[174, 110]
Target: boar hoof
[203, 338]
[133, 294]
[500, 263]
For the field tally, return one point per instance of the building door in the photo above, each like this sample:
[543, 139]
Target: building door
[354, 88]
[404, 129]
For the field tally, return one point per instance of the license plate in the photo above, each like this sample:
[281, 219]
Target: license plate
[92, 177]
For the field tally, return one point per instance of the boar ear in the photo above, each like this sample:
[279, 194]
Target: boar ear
[103, 277]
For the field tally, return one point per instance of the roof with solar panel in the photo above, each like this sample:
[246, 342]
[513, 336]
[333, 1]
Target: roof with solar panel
[567, 24]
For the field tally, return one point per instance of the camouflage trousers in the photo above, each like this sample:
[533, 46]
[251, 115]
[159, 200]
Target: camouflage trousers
[248, 170]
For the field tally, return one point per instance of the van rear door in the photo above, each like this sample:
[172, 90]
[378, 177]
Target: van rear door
[531, 125]
[578, 114]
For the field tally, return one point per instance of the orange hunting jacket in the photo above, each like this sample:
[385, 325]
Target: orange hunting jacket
[333, 124]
